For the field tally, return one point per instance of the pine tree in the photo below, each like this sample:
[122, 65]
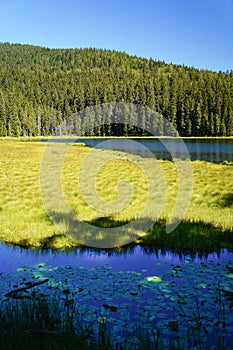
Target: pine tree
[3, 129]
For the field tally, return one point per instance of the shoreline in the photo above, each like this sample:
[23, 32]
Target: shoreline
[38, 138]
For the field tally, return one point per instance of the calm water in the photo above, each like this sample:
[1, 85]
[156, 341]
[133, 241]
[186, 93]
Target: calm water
[199, 149]
[213, 150]
[133, 258]
[144, 287]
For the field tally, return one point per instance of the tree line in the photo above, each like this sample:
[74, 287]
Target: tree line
[41, 87]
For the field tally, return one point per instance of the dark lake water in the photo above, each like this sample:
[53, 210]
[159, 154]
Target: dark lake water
[199, 149]
[213, 150]
[133, 258]
[148, 288]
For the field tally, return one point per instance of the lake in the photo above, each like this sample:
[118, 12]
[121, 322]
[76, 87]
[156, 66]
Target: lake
[212, 150]
[173, 293]
[129, 258]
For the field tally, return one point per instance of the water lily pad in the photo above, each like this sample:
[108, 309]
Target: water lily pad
[21, 269]
[154, 279]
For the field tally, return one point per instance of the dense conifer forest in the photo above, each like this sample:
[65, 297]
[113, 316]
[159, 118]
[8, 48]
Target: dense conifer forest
[41, 87]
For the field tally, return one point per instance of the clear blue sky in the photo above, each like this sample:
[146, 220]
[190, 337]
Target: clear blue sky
[196, 33]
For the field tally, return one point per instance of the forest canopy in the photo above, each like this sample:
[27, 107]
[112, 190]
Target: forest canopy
[41, 87]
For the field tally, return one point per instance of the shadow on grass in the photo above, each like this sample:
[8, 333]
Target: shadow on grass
[107, 221]
[57, 241]
[90, 233]
[191, 236]
[51, 241]
[226, 200]
[188, 237]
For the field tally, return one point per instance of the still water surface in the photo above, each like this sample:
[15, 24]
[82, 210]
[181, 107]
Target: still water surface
[133, 259]
[212, 150]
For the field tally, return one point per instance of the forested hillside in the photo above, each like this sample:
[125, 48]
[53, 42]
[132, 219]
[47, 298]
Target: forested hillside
[41, 87]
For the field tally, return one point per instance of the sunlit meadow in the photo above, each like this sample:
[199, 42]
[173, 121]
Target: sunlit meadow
[23, 219]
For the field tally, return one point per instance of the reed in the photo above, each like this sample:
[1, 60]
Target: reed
[39, 323]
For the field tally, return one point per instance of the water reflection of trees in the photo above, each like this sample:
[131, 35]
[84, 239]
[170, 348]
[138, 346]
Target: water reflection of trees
[151, 250]
[124, 251]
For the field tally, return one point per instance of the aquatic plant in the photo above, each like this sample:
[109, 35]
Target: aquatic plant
[184, 307]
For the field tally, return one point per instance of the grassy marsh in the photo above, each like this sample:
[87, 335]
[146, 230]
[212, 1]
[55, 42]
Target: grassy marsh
[23, 219]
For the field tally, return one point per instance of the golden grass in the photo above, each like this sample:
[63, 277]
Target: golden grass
[23, 219]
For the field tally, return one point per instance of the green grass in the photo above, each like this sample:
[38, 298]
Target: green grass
[23, 219]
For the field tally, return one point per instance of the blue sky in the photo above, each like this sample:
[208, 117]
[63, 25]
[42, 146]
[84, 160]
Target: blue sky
[197, 33]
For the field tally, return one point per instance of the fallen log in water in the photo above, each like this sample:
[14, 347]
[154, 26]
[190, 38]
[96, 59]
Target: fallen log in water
[22, 289]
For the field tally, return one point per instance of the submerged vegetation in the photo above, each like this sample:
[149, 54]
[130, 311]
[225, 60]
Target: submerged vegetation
[185, 307]
[23, 220]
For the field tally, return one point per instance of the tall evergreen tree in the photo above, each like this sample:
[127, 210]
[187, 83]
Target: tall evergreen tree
[40, 88]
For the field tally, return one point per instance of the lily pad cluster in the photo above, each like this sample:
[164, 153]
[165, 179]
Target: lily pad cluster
[190, 302]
